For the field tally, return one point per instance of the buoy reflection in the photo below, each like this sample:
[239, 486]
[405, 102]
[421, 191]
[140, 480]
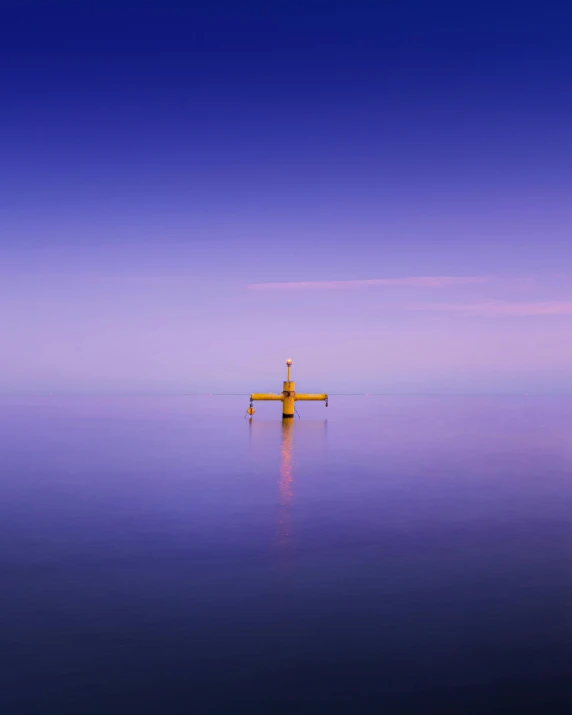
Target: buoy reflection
[313, 433]
[285, 482]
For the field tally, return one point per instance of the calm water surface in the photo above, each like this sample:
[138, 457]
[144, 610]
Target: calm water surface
[385, 555]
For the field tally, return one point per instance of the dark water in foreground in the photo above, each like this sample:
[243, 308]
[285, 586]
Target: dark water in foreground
[165, 555]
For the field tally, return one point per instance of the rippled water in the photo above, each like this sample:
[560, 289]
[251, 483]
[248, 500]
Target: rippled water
[384, 555]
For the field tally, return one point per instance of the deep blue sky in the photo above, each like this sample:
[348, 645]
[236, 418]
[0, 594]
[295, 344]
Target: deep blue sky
[175, 155]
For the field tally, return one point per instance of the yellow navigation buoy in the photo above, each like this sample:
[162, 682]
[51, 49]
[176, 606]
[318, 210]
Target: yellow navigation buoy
[288, 396]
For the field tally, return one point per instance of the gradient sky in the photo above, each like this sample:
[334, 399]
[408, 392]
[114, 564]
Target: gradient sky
[381, 191]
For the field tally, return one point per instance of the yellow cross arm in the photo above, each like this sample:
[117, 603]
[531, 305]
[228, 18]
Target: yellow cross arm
[301, 396]
[265, 396]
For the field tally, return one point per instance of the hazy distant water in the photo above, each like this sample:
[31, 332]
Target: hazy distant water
[384, 555]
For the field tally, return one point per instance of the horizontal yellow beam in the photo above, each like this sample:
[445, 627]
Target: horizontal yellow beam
[265, 396]
[300, 396]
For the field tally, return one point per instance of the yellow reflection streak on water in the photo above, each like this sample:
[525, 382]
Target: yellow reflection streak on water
[285, 483]
[285, 496]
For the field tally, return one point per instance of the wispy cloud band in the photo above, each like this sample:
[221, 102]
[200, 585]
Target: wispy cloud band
[502, 308]
[409, 281]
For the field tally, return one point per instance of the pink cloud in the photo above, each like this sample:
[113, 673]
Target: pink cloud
[503, 308]
[414, 282]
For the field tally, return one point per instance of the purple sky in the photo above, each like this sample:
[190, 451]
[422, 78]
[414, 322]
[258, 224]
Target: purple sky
[186, 199]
